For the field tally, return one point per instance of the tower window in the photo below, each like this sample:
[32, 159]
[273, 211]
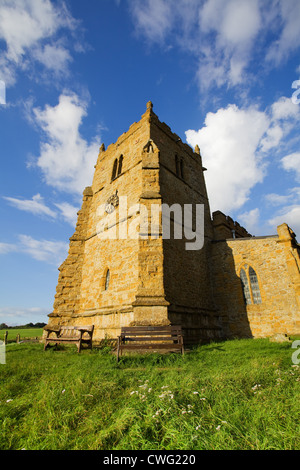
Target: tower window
[107, 279]
[177, 165]
[120, 165]
[181, 168]
[115, 169]
[250, 285]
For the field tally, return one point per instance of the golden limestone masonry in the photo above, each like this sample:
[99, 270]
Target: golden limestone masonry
[146, 250]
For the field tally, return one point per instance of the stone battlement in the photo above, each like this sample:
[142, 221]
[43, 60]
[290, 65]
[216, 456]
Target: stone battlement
[225, 227]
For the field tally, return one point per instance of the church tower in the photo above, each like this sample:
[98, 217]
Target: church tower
[140, 252]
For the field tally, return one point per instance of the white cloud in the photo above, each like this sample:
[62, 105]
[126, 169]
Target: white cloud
[54, 57]
[229, 144]
[35, 205]
[277, 199]
[25, 26]
[237, 146]
[13, 316]
[272, 138]
[289, 215]
[288, 40]
[284, 108]
[153, 18]
[292, 163]
[68, 212]
[225, 36]
[49, 251]
[66, 159]
[250, 220]
[7, 248]
[235, 25]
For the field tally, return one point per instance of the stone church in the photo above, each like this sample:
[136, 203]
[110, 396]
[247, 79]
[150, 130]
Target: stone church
[232, 285]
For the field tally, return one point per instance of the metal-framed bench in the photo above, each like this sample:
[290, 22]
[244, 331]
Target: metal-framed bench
[78, 335]
[150, 338]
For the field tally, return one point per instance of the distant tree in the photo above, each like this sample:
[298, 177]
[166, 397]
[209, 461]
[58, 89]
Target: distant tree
[3, 326]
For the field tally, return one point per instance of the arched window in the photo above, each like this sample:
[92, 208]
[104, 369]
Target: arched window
[250, 285]
[254, 286]
[107, 279]
[181, 168]
[177, 165]
[245, 286]
[115, 168]
[120, 165]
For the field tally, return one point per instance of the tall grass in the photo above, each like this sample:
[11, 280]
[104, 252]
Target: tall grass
[241, 394]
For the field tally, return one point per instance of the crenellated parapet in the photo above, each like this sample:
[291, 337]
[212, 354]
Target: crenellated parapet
[225, 227]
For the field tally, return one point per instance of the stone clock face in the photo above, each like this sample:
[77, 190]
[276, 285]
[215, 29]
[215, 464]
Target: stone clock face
[111, 203]
[109, 208]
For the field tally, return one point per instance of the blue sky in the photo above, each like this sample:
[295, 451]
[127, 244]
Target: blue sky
[223, 74]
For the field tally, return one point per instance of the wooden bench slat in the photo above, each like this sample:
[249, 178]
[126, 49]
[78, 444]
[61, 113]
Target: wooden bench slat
[69, 334]
[153, 345]
[146, 333]
[143, 328]
[150, 337]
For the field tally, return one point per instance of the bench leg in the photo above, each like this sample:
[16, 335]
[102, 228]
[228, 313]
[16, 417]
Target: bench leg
[181, 344]
[118, 350]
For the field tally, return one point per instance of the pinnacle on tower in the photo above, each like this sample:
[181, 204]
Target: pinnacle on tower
[149, 105]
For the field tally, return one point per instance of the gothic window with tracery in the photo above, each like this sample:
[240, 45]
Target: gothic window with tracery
[117, 168]
[250, 285]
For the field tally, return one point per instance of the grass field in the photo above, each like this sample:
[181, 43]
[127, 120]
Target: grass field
[240, 394]
[23, 332]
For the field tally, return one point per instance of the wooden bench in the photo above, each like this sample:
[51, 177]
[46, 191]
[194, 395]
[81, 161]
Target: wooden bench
[150, 337]
[78, 335]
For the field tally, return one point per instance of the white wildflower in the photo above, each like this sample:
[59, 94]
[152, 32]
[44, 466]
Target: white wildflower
[256, 386]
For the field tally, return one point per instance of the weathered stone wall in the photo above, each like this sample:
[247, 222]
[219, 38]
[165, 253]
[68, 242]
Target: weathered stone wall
[186, 272]
[154, 280]
[277, 269]
[67, 297]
